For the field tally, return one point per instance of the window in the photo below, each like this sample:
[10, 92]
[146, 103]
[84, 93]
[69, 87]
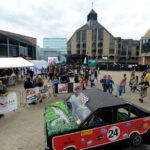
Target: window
[100, 34]
[100, 44]
[127, 113]
[122, 114]
[78, 45]
[84, 45]
[78, 36]
[94, 35]
[99, 118]
[84, 36]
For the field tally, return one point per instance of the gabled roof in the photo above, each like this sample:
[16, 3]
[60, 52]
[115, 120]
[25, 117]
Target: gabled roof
[92, 12]
[147, 35]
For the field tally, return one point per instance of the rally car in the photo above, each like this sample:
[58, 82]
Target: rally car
[91, 119]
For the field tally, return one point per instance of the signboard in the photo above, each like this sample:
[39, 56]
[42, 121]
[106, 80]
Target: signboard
[63, 88]
[8, 102]
[92, 62]
[77, 87]
[53, 60]
[34, 95]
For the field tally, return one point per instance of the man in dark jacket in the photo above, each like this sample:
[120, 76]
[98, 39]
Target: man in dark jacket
[28, 84]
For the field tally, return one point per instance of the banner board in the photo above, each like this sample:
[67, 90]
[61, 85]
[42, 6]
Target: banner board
[77, 87]
[68, 87]
[63, 88]
[8, 102]
[34, 95]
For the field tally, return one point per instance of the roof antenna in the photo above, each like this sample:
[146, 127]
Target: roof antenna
[92, 4]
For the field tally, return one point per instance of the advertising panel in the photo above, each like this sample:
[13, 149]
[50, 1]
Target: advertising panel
[53, 60]
[34, 95]
[77, 87]
[8, 102]
[63, 88]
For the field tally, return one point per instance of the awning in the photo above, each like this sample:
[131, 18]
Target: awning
[15, 62]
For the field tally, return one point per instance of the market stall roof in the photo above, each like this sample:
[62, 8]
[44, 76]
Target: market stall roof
[14, 62]
[39, 63]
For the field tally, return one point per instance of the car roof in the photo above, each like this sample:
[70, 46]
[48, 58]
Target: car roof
[99, 99]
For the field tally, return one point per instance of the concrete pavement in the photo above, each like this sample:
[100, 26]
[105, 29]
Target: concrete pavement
[23, 129]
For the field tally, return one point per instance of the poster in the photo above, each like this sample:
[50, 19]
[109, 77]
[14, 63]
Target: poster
[77, 87]
[53, 60]
[8, 102]
[63, 88]
[34, 95]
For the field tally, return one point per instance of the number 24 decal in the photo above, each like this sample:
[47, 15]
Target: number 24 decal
[113, 133]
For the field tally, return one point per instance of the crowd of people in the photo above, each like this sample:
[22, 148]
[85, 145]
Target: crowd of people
[89, 76]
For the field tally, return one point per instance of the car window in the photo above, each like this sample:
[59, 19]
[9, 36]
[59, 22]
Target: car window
[99, 118]
[78, 109]
[126, 113]
[122, 114]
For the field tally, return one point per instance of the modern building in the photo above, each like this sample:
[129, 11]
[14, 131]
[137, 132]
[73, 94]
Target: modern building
[95, 41]
[127, 51]
[57, 44]
[15, 45]
[144, 58]
[44, 53]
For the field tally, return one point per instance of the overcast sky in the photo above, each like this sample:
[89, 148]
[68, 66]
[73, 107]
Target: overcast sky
[60, 18]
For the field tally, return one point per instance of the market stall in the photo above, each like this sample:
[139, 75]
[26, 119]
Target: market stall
[9, 100]
[38, 66]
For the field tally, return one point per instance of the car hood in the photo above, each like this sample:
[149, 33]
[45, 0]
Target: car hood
[58, 118]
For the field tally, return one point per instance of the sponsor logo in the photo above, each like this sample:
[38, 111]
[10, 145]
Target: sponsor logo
[146, 125]
[89, 142]
[128, 124]
[99, 137]
[139, 126]
[86, 132]
[103, 131]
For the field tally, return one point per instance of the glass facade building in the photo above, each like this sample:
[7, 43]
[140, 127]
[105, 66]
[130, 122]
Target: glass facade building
[16, 45]
[57, 44]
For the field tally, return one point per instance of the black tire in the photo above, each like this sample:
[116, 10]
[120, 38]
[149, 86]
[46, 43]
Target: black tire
[70, 148]
[136, 140]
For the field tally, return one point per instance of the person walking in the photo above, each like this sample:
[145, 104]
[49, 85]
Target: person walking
[143, 89]
[103, 81]
[135, 84]
[124, 83]
[110, 83]
[92, 78]
[95, 73]
[132, 78]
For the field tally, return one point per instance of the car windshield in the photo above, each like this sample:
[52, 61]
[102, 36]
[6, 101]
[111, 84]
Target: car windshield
[78, 109]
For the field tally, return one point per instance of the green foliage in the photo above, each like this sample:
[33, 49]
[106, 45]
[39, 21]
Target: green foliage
[61, 126]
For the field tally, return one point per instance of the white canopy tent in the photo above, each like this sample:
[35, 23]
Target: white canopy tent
[14, 62]
[39, 63]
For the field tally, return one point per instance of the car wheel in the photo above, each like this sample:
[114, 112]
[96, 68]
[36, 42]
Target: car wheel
[136, 140]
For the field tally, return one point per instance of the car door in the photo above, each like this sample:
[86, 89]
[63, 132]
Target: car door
[95, 131]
